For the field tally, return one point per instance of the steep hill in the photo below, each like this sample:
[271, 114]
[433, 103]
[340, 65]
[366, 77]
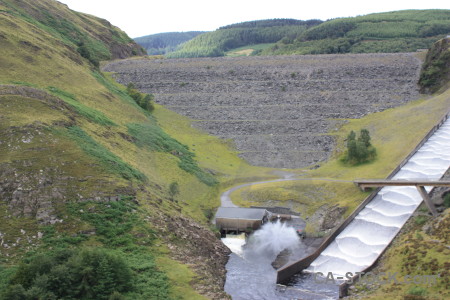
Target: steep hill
[216, 43]
[436, 69]
[397, 31]
[163, 43]
[89, 177]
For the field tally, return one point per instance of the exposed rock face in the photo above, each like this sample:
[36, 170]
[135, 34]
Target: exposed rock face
[439, 193]
[195, 245]
[279, 110]
[37, 173]
[333, 217]
[327, 217]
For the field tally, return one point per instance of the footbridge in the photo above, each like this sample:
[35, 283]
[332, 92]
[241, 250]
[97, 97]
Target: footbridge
[361, 238]
[419, 184]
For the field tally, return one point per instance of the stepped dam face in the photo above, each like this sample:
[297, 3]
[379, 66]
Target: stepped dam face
[362, 241]
[279, 111]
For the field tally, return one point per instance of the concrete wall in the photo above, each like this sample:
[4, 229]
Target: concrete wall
[237, 224]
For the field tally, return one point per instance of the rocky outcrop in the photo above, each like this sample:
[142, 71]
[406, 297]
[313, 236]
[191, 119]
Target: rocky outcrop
[435, 72]
[197, 246]
[327, 217]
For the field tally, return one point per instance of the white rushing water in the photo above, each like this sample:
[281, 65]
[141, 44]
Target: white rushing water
[250, 274]
[363, 240]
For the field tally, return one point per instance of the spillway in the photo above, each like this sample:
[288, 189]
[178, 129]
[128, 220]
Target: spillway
[370, 232]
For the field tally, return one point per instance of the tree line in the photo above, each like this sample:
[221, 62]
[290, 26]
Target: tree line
[163, 43]
[400, 31]
[216, 43]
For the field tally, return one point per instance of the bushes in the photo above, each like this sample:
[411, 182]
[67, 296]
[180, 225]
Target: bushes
[121, 266]
[143, 100]
[447, 200]
[84, 52]
[70, 274]
[359, 150]
[174, 189]
[417, 291]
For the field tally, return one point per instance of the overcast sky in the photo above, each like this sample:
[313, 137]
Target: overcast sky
[143, 17]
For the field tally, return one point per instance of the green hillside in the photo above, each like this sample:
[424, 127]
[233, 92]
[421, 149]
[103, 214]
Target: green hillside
[96, 198]
[105, 195]
[397, 31]
[163, 43]
[216, 43]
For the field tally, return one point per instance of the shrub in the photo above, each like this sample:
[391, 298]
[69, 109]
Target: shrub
[359, 150]
[174, 189]
[70, 274]
[145, 101]
[420, 220]
[84, 52]
[417, 291]
[447, 200]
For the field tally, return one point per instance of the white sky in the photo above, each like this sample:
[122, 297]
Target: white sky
[143, 17]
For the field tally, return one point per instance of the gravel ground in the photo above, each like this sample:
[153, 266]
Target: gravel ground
[278, 110]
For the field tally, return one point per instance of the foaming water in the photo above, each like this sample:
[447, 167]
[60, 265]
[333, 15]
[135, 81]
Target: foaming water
[361, 242]
[235, 243]
[270, 240]
[250, 274]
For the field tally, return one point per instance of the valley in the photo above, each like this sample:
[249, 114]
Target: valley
[109, 190]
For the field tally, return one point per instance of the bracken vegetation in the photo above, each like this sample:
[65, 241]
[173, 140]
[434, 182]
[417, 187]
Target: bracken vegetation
[120, 269]
[152, 137]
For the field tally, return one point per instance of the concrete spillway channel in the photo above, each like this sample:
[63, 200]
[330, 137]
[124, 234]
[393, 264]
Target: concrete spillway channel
[357, 246]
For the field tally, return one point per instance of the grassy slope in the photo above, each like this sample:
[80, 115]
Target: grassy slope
[397, 31]
[414, 252]
[248, 50]
[35, 56]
